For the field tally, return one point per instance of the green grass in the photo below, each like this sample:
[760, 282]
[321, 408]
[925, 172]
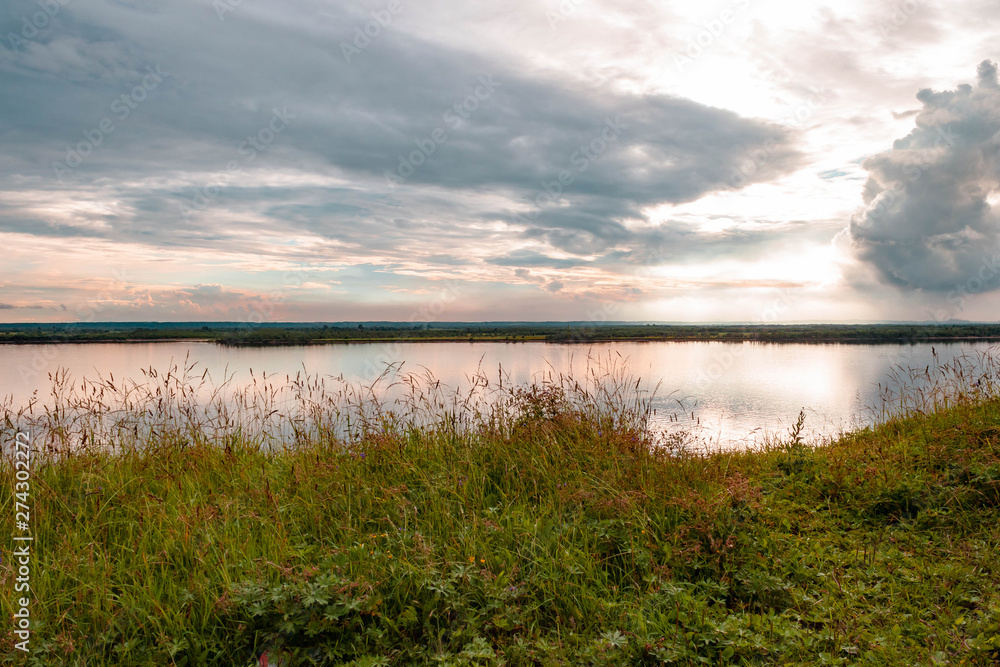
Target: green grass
[550, 529]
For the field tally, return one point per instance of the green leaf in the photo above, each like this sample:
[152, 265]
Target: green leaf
[408, 617]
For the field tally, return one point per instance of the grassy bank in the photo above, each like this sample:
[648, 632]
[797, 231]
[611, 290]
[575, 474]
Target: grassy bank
[550, 528]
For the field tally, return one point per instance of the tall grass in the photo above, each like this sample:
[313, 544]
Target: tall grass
[969, 378]
[278, 412]
[182, 522]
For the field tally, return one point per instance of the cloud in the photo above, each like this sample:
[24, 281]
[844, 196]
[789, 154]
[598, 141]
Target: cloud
[528, 258]
[710, 182]
[356, 120]
[929, 221]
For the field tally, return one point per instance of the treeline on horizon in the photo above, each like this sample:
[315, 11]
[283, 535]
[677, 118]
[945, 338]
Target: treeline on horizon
[234, 333]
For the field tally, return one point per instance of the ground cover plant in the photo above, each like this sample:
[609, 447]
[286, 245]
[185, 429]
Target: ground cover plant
[512, 525]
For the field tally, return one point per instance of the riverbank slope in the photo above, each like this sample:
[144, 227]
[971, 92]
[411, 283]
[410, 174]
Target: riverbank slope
[557, 535]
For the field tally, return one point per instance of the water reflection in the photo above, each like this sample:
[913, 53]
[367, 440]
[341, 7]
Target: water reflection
[729, 393]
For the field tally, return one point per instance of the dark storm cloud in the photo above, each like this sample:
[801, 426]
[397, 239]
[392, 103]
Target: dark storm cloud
[172, 91]
[928, 222]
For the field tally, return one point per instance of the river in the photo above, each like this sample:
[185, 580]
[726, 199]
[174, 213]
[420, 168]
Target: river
[730, 393]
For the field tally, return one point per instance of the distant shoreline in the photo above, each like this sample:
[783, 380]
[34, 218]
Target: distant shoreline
[235, 334]
[897, 339]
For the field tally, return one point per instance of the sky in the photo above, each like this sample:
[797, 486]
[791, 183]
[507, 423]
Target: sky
[308, 160]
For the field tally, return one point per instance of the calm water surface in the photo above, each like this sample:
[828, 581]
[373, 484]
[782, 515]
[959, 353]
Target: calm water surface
[736, 391]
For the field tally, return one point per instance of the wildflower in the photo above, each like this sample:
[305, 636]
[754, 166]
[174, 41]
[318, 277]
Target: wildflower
[472, 559]
[482, 560]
